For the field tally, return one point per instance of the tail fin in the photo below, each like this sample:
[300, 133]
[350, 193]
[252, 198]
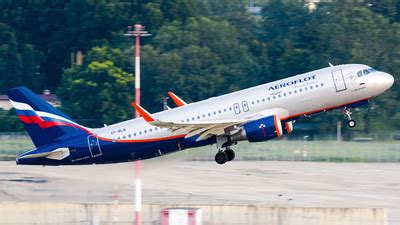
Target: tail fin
[43, 122]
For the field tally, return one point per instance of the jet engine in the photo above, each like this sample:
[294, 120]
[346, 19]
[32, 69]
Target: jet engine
[259, 130]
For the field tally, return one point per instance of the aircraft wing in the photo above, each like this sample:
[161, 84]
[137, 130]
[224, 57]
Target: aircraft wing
[205, 129]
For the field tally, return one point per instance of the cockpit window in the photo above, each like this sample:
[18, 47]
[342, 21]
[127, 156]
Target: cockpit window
[365, 72]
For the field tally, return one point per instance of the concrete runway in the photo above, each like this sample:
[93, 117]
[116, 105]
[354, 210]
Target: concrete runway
[172, 180]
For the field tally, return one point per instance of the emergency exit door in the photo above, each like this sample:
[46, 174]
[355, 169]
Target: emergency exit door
[94, 146]
[338, 80]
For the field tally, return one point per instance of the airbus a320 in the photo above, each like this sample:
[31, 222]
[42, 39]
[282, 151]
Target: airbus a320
[256, 114]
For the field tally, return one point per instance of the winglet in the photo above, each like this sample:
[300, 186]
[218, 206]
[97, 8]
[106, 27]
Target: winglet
[178, 101]
[146, 115]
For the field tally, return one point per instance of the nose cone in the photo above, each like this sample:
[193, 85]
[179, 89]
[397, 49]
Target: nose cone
[388, 80]
[384, 81]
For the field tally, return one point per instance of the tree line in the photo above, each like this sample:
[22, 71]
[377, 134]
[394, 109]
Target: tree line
[198, 49]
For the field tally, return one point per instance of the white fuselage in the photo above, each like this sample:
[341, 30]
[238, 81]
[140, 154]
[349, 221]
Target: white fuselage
[304, 94]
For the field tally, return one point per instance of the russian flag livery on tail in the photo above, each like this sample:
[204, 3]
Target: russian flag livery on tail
[44, 123]
[256, 114]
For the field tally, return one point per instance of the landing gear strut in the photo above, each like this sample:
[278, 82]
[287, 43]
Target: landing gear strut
[224, 156]
[350, 122]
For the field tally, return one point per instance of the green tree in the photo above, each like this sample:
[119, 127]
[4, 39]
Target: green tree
[98, 92]
[204, 58]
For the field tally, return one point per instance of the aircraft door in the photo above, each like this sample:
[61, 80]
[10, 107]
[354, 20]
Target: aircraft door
[236, 107]
[94, 146]
[338, 80]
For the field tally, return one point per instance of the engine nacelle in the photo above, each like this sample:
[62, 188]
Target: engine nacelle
[260, 130]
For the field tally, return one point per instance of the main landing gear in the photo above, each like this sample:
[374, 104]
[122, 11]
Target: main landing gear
[224, 156]
[347, 114]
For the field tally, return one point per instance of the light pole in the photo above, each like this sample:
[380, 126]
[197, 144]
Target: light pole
[137, 32]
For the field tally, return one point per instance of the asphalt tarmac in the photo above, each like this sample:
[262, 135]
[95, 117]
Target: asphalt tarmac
[174, 180]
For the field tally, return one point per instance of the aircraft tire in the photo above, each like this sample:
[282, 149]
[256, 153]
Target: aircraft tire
[221, 158]
[351, 123]
[230, 154]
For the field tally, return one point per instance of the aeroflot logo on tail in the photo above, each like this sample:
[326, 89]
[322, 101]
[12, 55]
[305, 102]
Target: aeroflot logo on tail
[287, 84]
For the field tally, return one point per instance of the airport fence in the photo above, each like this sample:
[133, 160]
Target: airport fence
[376, 147]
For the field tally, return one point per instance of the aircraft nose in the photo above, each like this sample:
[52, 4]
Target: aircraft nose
[387, 80]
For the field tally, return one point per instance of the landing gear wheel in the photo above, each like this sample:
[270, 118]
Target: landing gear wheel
[230, 154]
[351, 123]
[221, 158]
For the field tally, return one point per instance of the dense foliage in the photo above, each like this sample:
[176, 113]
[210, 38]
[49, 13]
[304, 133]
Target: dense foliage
[198, 49]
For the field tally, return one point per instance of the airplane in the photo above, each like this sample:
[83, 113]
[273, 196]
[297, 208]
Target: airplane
[256, 114]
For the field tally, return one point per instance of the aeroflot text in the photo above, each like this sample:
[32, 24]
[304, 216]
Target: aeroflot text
[298, 81]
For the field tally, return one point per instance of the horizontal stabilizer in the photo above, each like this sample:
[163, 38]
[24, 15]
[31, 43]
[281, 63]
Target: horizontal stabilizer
[57, 154]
